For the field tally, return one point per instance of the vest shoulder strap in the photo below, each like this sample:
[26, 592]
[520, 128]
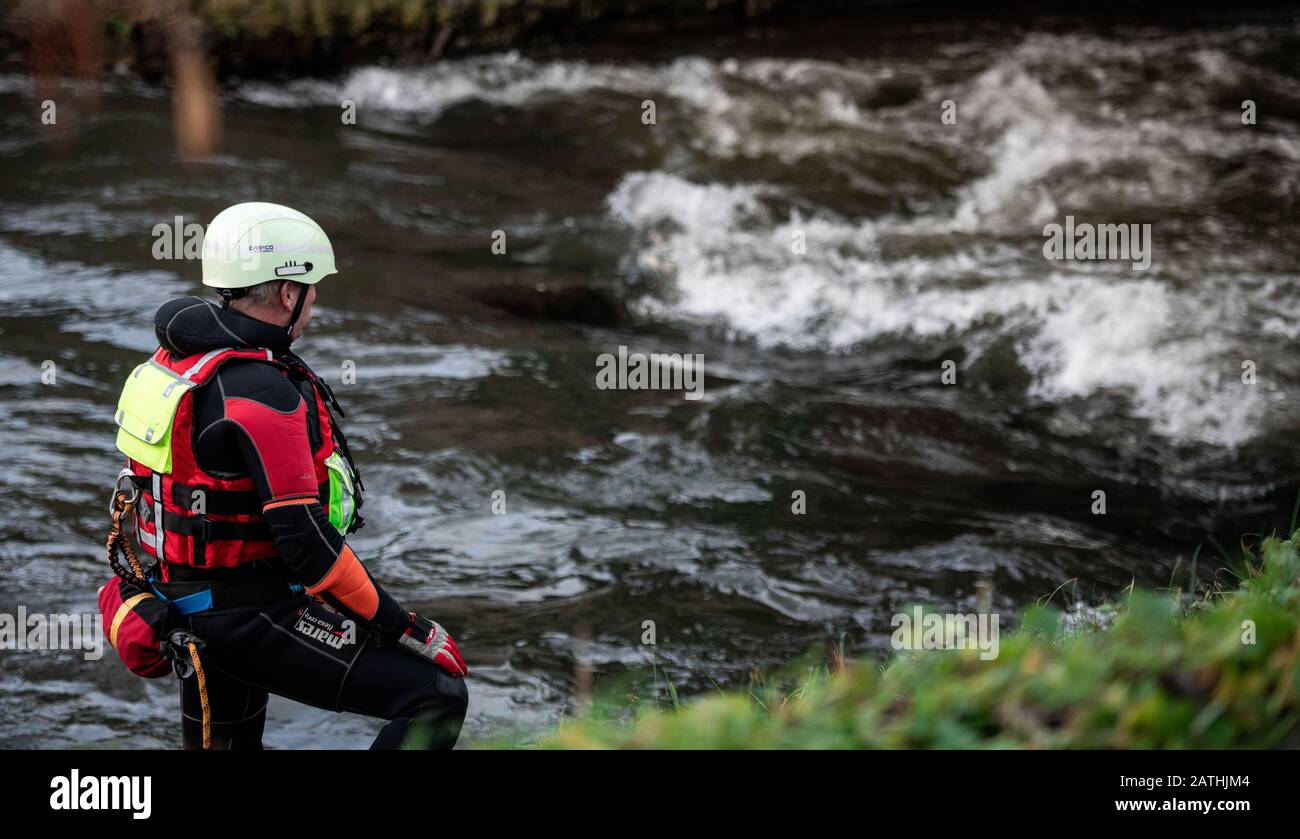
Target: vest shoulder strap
[198, 368]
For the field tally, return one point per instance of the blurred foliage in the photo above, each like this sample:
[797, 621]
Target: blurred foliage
[1170, 672]
[260, 37]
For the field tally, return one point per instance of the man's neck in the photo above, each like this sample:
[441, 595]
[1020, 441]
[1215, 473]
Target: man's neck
[261, 313]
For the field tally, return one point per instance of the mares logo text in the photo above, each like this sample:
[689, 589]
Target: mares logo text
[323, 631]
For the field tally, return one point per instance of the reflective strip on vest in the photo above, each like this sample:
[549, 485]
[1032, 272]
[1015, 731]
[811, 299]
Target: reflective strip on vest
[158, 516]
[145, 537]
[198, 365]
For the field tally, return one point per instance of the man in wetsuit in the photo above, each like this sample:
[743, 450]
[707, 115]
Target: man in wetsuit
[247, 493]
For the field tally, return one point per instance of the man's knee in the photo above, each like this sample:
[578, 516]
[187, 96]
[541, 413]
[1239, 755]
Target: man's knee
[453, 692]
[443, 695]
[433, 720]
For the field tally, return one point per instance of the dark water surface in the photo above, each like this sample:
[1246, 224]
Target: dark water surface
[475, 372]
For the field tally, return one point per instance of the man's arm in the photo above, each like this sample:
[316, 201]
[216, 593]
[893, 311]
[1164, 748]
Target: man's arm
[270, 419]
[272, 436]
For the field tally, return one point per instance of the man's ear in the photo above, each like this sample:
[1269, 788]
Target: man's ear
[286, 295]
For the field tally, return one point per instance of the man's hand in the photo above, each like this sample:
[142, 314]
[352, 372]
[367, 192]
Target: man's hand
[429, 640]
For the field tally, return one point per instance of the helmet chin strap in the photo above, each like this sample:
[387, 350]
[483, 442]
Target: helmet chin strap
[297, 307]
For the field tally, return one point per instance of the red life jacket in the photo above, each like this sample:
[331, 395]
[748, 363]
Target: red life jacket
[230, 530]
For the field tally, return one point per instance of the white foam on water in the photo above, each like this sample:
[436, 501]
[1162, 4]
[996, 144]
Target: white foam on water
[1078, 334]
[502, 79]
[400, 363]
[726, 102]
[1052, 125]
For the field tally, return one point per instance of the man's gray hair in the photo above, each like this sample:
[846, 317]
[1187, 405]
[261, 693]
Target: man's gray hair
[262, 292]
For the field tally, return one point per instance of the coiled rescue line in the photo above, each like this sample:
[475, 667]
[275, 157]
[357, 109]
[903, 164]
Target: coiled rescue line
[119, 542]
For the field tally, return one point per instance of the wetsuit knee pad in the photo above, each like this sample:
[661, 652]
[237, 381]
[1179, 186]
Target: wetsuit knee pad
[433, 722]
[443, 694]
[455, 690]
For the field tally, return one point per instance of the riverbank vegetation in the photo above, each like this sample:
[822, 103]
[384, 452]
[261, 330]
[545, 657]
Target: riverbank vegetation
[254, 38]
[1172, 670]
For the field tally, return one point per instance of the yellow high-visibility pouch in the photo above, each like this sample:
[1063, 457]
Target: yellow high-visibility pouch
[145, 413]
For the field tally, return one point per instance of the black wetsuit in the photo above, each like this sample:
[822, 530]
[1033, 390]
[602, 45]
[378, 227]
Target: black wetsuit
[334, 649]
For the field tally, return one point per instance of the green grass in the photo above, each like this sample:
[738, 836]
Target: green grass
[1171, 671]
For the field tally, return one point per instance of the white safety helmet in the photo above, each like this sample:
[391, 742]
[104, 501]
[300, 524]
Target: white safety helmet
[256, 242]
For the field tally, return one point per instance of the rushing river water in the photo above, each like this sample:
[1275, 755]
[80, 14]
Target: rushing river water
[475, 371]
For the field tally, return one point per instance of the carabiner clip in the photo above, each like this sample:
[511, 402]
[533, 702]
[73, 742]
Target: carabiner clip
[131, 498]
